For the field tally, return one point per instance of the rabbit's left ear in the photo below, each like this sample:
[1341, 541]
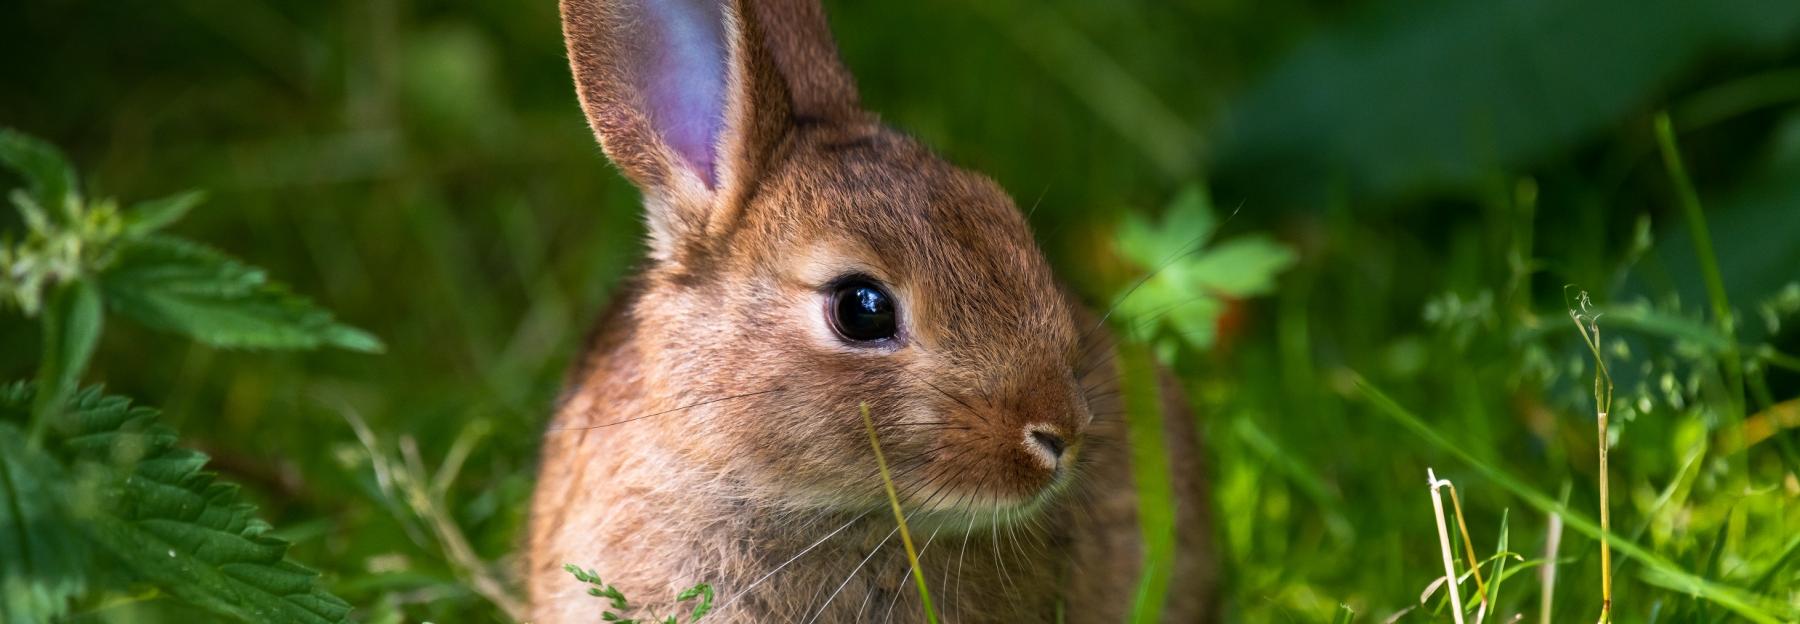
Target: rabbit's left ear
[691, 97]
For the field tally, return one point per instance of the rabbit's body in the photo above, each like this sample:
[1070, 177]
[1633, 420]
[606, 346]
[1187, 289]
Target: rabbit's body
[807, 262]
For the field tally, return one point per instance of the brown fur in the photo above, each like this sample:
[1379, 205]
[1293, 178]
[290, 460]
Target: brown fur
[712, 432]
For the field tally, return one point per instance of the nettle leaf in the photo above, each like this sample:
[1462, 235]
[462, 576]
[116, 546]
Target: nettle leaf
[147, 217]
[42, 557]
[187, 288]
[47, 174]
[1190, 278]
[164, 521]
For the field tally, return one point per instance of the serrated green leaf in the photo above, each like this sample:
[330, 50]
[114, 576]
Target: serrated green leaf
[41, 556]
[186, 288]
[146, 217]
[47, 174]
[158, 516]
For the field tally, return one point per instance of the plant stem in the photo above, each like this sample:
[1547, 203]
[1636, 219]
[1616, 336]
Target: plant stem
[912, 556]
[1437, 505]
[1468, 544]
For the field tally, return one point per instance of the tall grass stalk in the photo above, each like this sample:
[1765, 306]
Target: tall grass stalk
[1151, 477]
[1462, 527]
[1661, 571]
[1437, 505]
[1588, 323]
[1709, 270]
[1547, 575]
[887, 481]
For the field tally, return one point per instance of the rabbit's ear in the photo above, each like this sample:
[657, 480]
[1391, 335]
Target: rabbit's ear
[690, 97]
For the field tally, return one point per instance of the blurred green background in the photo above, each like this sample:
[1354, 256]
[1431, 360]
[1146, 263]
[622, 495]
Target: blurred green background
[1443, 169]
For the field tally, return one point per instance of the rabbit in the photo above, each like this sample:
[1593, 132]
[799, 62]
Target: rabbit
[806, 263]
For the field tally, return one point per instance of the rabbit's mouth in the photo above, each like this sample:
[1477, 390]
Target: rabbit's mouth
[1011, 488]
[993, 511]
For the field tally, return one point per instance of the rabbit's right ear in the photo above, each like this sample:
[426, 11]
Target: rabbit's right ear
[690, 97]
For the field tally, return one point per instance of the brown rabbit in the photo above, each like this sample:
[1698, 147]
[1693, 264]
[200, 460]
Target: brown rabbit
[806, 261]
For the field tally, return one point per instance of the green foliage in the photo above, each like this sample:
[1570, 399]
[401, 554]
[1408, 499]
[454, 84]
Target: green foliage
[620, 607]
[143, 506]
[1189, 278]
[183, 287]
[160, 281]
[94, 494]
[1433, 95]
[43, 560]
[49, 180]
[1152, 478]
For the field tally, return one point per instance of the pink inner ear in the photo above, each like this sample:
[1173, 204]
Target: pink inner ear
[685, 78]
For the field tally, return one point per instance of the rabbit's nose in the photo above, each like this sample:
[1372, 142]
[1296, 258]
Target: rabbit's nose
[1046, 444]
[1049, 442]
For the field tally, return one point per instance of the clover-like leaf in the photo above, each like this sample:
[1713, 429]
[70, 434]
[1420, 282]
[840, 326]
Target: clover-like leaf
[1189, 277]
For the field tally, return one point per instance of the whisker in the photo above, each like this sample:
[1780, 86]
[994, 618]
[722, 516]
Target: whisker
[952, 397]
[865, 560]
[727, 602]
[909, 574]
[853, 572]
[956, 595]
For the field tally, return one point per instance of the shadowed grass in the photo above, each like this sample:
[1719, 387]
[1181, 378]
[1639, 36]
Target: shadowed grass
[1150, 473]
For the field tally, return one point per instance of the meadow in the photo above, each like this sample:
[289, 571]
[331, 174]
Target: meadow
[1376, 239]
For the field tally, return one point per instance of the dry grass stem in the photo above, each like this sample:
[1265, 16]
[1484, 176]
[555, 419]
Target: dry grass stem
[1587, 321]
[1437, 504]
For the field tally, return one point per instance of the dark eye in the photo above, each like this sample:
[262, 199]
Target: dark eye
[862, 311]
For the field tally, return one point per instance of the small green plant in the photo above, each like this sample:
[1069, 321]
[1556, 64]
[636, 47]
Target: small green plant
[620, 607]
[1587, 321]
[1190, 279]
[99, 505]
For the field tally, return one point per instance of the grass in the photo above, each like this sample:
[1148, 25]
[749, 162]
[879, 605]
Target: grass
[1452, 579]
[1588, 323]
[1150, 475]
[887, 481]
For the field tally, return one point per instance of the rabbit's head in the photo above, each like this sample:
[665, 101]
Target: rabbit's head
[806, 261]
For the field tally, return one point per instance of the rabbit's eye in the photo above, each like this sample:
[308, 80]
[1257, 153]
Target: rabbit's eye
[862, 311]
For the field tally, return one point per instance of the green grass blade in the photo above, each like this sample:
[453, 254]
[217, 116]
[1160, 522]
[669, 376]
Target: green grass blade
[1150, 473]
[1499, 574]
[887, 480]
[1662, 571]
[1709, 267]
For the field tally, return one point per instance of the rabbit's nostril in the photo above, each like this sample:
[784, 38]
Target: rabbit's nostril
[1050, 442]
